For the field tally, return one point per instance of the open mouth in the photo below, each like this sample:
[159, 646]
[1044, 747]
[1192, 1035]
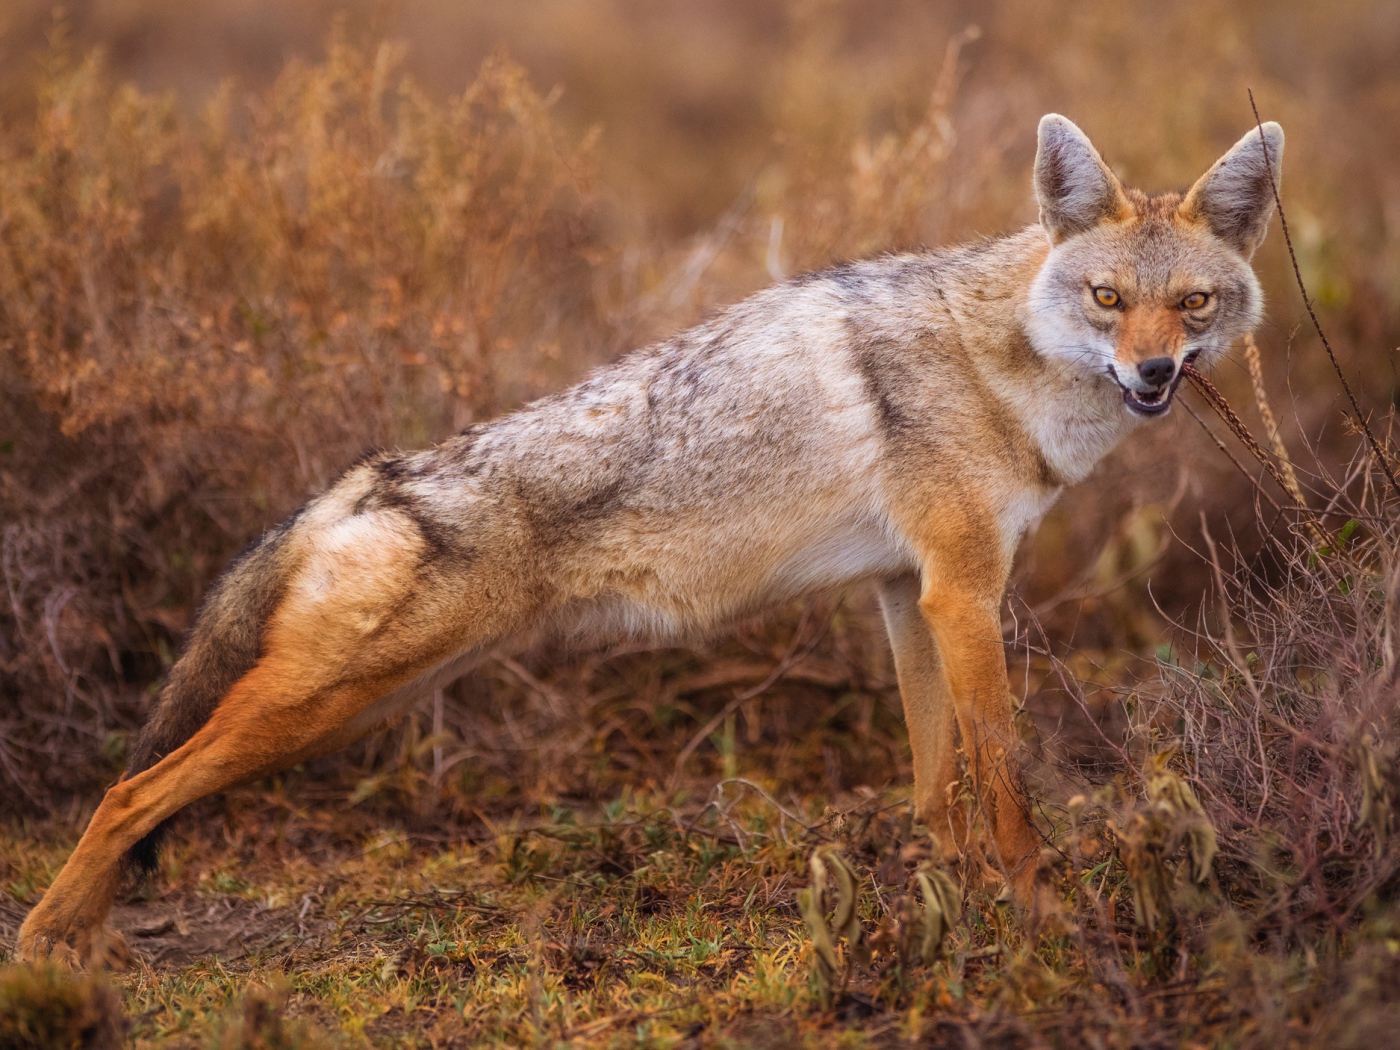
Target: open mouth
[1152, 402]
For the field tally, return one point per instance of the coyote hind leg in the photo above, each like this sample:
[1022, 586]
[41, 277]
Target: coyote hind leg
[266, 722]
[357, 622]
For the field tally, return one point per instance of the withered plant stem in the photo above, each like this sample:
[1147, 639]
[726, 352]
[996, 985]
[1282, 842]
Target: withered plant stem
[1231, 457]
[1312, 314]
[1267, 417]
[1271, 430]
[1217, 401]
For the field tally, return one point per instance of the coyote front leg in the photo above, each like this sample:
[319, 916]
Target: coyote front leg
[959, 601]
[929, 713]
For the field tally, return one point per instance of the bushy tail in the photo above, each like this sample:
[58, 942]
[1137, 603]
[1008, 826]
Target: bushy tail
[223, 646]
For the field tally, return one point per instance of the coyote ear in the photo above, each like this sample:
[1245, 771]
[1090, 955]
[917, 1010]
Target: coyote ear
[1073, 185]
[1236, 197]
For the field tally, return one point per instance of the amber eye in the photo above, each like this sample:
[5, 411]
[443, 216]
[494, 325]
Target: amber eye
[1195, 300]
[1105, 297]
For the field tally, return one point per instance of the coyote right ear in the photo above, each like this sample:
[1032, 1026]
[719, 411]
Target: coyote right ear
[1236, 197]
[1073, 185]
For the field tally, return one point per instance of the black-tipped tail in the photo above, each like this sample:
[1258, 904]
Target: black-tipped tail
[143, 856]
[223, 646]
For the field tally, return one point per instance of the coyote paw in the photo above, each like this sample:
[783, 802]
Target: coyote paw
[110, 951]
[40, 948]
[1031, 890]
[105, 950]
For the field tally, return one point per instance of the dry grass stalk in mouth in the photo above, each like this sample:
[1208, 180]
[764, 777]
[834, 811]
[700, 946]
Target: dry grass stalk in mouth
[1284, 479]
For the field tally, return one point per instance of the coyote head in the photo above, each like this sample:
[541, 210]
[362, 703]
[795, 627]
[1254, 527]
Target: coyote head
[1136, 285]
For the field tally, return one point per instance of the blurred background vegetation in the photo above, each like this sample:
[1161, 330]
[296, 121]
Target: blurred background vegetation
[241, 241]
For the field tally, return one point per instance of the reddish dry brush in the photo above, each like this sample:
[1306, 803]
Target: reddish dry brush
[201, 321]
[1285, 713]
[1287, 717]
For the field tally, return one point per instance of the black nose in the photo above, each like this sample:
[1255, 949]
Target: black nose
[1158, 371]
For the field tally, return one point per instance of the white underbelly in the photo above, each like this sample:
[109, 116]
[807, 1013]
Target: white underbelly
[858, 550]
[714, 590]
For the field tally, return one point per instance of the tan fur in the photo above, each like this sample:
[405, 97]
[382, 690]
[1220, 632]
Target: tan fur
[903, 420]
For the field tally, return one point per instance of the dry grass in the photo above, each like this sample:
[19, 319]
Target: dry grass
[212, 301]
[42, 1007]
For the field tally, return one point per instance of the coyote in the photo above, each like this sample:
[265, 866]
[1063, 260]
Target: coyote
[903, 420]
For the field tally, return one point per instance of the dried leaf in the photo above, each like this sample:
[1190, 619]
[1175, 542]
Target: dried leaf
[942, 908]
[825, 863]
[1377, 806]
[1187, 819]
[844, 922]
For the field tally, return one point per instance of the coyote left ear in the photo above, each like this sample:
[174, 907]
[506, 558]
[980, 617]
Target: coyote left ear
[1073, 185]
[1236, 197]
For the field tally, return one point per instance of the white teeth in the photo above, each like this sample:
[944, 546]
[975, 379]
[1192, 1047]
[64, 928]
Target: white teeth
[1148, 402]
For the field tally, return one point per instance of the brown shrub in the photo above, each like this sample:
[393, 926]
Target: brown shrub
[1283, 710]
[202, 321]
